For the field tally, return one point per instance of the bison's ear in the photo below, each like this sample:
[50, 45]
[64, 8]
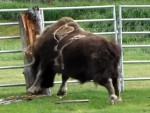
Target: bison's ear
[64, 31]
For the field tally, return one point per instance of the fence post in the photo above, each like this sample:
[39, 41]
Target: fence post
[30, 27]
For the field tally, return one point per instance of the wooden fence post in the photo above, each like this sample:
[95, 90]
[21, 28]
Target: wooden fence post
[30, 27]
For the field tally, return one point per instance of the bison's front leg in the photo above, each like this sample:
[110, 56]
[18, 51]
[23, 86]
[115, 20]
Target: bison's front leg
[36, 86]
[63, 88]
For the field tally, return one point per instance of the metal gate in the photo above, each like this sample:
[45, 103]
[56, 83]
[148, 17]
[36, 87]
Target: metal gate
[112, 19]
[122, 33]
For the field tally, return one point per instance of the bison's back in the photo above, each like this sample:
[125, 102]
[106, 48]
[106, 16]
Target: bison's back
[86, 56]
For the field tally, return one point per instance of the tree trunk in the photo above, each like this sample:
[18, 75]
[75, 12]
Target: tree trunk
[30, 27]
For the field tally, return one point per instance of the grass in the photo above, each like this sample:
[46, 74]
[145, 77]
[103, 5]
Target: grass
[7, 29]
[134, 101]
[136, 70]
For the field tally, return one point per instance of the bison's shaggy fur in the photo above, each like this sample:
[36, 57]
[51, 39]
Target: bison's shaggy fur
[66, 48]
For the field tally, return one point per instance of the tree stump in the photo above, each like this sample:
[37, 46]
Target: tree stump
[30, 27]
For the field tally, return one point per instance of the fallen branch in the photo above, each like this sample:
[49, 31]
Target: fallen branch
[72, 101]
[12, 99]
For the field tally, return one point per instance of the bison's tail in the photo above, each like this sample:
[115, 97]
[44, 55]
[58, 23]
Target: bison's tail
[115, 50]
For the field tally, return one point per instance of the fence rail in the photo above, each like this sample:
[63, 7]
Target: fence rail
[11, 51]
[9, 37]
[75, 81]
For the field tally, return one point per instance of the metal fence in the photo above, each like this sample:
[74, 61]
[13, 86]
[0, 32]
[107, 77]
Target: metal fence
[111, 8]
[117, 32]
[121, 34]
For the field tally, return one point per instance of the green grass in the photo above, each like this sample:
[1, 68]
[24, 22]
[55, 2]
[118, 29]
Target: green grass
[12, 30]
[134, 101]
[136, 70]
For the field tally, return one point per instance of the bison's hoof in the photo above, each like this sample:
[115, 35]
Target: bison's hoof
[61, 93]
[119, 99]
[34, 90]
[38, 90]
[115, 99]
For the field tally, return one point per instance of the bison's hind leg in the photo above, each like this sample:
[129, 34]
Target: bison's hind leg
[63, 88]
[105, 80]
[116, 82]
[108, 84]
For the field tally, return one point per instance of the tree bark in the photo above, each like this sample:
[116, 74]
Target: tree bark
[30, 27]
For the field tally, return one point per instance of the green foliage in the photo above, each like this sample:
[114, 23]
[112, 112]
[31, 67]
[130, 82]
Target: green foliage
[136, 39]
[84, 14]
[136, 13]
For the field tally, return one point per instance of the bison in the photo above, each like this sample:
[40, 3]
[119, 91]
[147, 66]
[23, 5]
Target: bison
[66, 48]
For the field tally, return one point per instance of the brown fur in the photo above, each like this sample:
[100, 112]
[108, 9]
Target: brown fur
[44, 52]
[84, 56]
